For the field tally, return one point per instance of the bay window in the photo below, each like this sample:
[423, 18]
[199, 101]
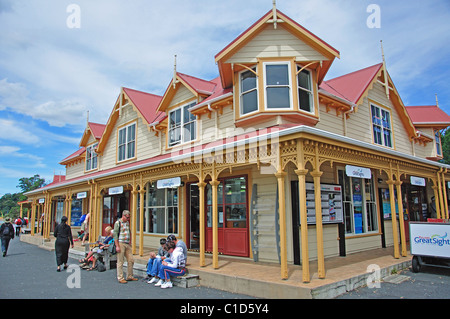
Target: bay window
[277, 85]
[248, 92]
[305, 92]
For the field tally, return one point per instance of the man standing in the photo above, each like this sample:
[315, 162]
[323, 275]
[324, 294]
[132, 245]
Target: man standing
[6, 233]
[122, 239]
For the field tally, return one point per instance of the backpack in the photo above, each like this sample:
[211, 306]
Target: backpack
[100, 266]
[18, 221]
[6, 230]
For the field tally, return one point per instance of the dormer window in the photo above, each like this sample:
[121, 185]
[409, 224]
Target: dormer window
[381, 125]
[91, 157]
[277, 85]
[126, 142]
[182, 125]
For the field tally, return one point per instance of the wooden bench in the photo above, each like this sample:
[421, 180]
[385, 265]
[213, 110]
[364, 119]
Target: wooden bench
[109, 260]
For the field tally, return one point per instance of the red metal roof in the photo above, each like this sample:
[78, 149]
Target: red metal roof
[198, 85]
[353, 85]
[427, 114]
[97, 129]
[73, 155]
[146, 103]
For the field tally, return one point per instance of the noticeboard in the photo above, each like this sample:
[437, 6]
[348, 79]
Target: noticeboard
[331, 202]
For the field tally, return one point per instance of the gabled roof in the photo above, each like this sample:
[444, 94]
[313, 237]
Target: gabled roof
[145, 104]
[428, 115]
[73, 156]
[352, 86]
[287, 23]
[196, 85]
[95, 129]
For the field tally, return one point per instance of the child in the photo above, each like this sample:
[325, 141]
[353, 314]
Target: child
[154, 263]
[174, 267]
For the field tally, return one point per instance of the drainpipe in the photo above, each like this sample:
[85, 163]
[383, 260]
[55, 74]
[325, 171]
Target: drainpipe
[352, 109]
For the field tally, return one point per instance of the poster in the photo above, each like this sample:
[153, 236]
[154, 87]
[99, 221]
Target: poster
[331, 202]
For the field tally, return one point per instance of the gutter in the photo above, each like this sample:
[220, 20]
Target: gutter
[209, 102]
[263, 137]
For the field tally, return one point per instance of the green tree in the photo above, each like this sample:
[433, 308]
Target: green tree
[27, 184]
[445, 140]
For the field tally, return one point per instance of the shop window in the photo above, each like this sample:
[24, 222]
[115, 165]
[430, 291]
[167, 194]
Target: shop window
[231, 199]
[160, 210]
[182, 125]
[381, 126]
[360, 211]
[91, 157]
[127, 142]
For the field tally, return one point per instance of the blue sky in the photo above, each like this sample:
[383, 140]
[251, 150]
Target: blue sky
[51, 75]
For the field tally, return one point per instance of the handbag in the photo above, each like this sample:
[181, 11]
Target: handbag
[112, 248]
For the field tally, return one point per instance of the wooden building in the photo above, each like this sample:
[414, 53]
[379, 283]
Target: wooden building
[268, 161]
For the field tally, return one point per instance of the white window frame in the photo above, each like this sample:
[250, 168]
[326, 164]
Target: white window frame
[126, 144]
[381, 127]
[241, 93]
[91, 157]
[289, 85]
[181, 126]
[312, 106]
[438, 142]
[364, 204]
[167, 206]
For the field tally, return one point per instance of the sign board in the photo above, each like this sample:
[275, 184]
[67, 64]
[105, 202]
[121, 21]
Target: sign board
[360, 172]
[41, 200]
[418, 181]
[115, 190]
[169, 182]
[81, 195]
[331, 202]
[430, 239]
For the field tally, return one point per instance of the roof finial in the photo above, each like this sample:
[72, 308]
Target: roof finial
[274, 12]
[174, 81]
[386, 82]
[87, 118]
[437, 102]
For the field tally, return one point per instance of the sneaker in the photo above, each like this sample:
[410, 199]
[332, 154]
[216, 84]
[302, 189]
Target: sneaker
[159, 283]
[167, 284]
[152, 280]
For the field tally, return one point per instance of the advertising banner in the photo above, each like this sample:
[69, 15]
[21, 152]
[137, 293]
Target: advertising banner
[430, 239]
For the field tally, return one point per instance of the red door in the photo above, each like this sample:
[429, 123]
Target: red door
[113, 206]
[233, 216]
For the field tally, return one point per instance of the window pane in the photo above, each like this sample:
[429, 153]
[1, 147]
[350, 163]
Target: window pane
[305, 99]
[249, 102]
[304, 80]
[248, 81]
[278, 97]
[277, 74]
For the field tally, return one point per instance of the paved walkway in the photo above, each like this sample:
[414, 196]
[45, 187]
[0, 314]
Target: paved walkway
[243, 276]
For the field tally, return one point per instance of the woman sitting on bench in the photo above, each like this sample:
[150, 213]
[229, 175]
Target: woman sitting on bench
[94, 253]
